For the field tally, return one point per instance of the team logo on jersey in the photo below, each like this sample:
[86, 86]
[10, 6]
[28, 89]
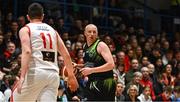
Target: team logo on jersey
[48, 56]
[89, 53]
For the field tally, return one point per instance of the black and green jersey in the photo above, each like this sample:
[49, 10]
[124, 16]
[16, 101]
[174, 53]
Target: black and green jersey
[93, 59]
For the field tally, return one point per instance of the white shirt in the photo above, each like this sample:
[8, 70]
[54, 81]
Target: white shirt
[2, 98]
[43, 43]
[142, 98]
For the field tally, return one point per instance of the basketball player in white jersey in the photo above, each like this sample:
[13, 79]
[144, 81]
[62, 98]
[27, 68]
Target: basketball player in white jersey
[39, 79]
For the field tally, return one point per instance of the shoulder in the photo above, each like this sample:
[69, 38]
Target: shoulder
[48, 26]
[24, 29]
[139, 97]
[138, 100]
[102, 45]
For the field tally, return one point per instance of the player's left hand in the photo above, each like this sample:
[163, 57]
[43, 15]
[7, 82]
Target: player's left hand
[72, 83]
[19, 85]
[86, 71]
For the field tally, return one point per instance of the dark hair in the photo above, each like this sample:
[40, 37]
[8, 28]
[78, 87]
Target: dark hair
[146, 87]
[168, 89]
[177, 89]
[35, 10]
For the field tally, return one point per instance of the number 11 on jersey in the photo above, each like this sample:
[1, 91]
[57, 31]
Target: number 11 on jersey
[45, 38]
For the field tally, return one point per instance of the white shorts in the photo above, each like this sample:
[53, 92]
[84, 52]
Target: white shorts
[39, 85]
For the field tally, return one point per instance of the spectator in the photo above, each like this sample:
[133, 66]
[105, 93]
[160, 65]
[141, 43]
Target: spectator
[15, 66]
[51, 22]
[158, 66]
[144, 61]
[21, 21]
[9, 55]
[165, 46]
[115, 59]
[176, 61]
[79, 56]
[176, 46]
[6, 83]
[132, 94]
[131, 54]
[119, 95]
[176, 96]
[7, 37]
[152, 75]
[119, 71]
[123, 59]
[65, 36]
[137, 76]
[146, 81]
[167, 57]
[166, 95]
[156, 54]
[81, 39]
[134, 68]
[139, 53]
[147, 49]
[112, 48]
[73, 53]
[150, 41]
[60, 25]
[168, 78]
[15, 35]
[177, 82]
[134, 43]
[146, 95]
[108, 40]
[141, 41]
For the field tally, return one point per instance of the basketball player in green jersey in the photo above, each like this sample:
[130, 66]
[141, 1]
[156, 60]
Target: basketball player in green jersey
[98, 67]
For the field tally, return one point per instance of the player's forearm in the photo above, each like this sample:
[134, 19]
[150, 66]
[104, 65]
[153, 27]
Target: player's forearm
[25, 63]
[65, 54]
[106, 67]
[67, 59]
[68, 64]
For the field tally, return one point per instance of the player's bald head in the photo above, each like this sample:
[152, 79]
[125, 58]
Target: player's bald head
[89, 26]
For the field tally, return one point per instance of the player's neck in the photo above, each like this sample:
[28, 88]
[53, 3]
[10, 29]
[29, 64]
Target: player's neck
[90, 42]
[36, 21]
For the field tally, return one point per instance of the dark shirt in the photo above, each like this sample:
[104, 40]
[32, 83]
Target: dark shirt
[93, 59]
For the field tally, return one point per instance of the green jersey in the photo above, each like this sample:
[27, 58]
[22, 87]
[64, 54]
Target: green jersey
[93, 59]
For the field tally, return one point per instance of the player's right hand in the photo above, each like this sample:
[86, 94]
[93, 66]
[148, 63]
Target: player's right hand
[72, 83]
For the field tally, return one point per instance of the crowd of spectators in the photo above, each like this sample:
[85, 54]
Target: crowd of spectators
[147, 67]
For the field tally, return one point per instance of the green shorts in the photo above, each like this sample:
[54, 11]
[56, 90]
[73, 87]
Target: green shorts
[101, 90]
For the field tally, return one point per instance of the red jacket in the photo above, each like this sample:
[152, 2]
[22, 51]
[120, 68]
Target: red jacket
[144, 83]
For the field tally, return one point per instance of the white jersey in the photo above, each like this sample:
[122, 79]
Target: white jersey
[44, 46]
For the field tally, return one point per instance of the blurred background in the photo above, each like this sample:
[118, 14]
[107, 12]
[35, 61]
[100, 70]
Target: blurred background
[154, 16]
[139, 33]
